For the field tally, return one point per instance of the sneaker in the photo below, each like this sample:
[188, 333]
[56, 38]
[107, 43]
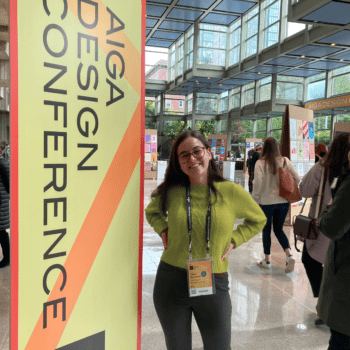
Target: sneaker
[290, 262]
[264, 264]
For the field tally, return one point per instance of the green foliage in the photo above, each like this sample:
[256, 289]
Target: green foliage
[341, 84]
[174, 128]
[323, 136]
[150, 109]
[205, 127]
[241, 130]
[150, 125]
[276, 123]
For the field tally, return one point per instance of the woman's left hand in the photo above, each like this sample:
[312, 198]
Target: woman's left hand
[228, 251]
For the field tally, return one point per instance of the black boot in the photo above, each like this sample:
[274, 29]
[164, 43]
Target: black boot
[5, 245]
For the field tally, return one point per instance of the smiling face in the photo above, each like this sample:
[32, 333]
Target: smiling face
[195, 168]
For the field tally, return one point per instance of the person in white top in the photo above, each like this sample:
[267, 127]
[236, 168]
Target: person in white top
[266, 194]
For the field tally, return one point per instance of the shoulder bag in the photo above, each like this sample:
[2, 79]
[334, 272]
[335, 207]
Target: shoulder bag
[288, 187]
[305, 227]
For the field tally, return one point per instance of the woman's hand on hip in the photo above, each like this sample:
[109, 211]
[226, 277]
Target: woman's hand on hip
[164, 237]
[228, 251]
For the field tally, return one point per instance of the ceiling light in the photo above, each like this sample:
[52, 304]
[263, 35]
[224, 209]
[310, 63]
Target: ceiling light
[341, 60]
[208, 77]
[220, 84]
[333, 44]
[303, 56]
[259, 72]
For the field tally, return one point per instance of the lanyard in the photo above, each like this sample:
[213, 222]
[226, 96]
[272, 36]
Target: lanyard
[189, 221]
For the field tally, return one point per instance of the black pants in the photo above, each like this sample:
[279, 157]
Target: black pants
[174, 308]
[278, 212]
[339, 341]
[314, 271]
[250, 180]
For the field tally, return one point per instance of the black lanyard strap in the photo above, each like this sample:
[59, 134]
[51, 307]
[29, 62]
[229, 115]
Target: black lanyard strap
[189, 221]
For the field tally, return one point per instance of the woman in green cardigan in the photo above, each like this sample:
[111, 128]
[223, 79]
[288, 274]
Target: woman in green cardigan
[194, 211]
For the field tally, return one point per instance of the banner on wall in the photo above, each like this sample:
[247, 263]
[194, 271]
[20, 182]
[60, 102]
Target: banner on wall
[77, 173]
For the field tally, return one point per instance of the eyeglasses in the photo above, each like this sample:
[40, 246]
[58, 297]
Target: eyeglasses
[198, 153]
[259, 149]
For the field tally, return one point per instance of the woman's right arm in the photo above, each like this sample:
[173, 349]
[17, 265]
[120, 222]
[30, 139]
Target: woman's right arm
[311, 181]
[155, 217]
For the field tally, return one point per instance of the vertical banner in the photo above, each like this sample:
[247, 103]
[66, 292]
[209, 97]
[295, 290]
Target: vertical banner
[77, 129]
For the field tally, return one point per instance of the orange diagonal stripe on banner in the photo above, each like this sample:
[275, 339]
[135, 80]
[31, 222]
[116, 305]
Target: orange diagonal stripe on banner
[90, 237]
[132, 57]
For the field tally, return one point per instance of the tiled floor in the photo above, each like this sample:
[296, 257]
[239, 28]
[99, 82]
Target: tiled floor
[5, 283]
[271, 309]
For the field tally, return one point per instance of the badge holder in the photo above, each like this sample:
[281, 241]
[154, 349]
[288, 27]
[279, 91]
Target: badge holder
[200, 276]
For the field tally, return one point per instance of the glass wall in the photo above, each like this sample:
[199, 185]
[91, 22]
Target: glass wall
[236, 97]
[261, 129]
[212, 44]
[223, 102]
[158, 102]
[265, 89]
[289, 88]
[251, 40]
[271, 23]
[341, 81]
[207, 103]
[174, 104]
[345, 118]
[323, 125]
[241, 129]
[156, 63]
[172, 61]
[150, 106]
[190, 38]
[248, 94]
[316, 87]
[189, 103]
[276, 128]
[235, 42]
[180, 64]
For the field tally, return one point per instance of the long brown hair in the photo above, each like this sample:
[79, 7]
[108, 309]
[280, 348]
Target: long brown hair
[175, 177]
[337, 156]
[270, 152]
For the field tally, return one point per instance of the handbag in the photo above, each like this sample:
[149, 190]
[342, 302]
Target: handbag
[305, 227]
[288, 188]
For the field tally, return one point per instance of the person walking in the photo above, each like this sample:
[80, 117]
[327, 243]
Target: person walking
[266, 193]
[253, 156]
[314, 251]
[334, 301]
[4, 212]
[194, 211]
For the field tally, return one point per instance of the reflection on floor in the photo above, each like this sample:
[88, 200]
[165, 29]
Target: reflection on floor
[271, 309]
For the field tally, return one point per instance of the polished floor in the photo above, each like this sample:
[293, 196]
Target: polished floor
[271, 310]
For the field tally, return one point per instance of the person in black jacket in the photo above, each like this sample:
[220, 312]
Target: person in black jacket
[334, 300]
[4, 211]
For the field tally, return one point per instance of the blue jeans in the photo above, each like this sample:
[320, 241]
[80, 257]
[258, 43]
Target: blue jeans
[175, 308]
[278, 212]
